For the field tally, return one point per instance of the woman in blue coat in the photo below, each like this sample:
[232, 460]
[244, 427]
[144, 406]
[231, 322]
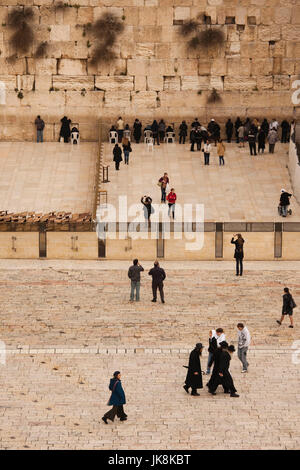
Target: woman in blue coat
[117, 399]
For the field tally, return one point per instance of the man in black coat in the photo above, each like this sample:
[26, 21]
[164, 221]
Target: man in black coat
[194, 376]
[225, 376]
[215, 379]
[285, 131]
[117, 152]
[158, 276]
[229, 130]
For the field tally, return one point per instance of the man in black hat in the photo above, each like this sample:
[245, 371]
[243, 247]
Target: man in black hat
[194, 375]
[225, 376]
[215, 379]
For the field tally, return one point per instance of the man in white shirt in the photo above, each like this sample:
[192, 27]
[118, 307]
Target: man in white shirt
[206, 150]
[219, 336]
[244, 340]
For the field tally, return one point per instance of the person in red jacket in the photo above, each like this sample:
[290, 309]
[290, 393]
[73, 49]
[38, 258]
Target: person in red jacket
[171, 198]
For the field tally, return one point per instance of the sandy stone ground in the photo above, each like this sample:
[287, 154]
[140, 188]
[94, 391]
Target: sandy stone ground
[68, 325]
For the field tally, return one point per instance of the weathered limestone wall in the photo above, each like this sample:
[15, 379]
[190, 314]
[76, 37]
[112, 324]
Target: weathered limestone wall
[154, 74]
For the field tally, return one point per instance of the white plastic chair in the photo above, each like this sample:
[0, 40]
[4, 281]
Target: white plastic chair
[75, 138]
[113, 137]
[170, 138]
[147, 136]
[150, 144]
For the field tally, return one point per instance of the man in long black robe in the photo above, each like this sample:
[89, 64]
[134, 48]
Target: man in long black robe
[226, 379]
[194, 376]
[215, 379]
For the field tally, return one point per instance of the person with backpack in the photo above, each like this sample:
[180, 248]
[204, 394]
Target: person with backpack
[126, 149]
[284, 202]
[238, 252]
[117, 399]
[287, 307]
[158, 276]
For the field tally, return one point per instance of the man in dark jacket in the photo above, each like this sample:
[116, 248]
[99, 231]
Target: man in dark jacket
[284, 202]
[214, 131]
[117, 152]
[134, 274]
[287, 307]
[225, 376]
[158, 276]
[215, 379]
[183, 128]
[229, 130]
[194, 376]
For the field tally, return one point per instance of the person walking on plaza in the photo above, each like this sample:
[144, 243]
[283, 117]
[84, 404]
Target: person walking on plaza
[148, 209]
[40, 125]
[171, 198]
[120, 129]
[117, 399]
[284, 202]
[221, 152]
[137, 130]
[287, 307]
[272, 139]
[158, 276]
[226, 378]
[117, 152]
[194, 375]
[229, 130]
[244, 340]
[183, 130]
[238, 252]
[214, 336]
[163, 183]
[206, 149]
[65, 130]
[134, 274]
[126, 149]
[215, 379]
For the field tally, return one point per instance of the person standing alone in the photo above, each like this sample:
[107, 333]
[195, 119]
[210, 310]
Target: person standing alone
[238, 252]
[39, 124]
[134, 274]
[244, 339]
[158, 276]
[221, 151]
[171, 198]
[194, 376]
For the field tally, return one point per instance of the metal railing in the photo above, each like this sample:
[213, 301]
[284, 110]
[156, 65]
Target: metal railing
[98, 172]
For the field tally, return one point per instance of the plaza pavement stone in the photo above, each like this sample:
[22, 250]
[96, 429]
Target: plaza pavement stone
[67, 326]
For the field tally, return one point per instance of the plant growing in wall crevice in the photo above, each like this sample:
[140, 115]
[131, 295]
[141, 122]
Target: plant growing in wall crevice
[214, 97]
[201, 33]
[41, 50]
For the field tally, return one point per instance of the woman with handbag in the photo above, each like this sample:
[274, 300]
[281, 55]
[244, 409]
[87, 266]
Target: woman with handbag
[238, 252]
[117, 399]
[287, 307]
[163, 183]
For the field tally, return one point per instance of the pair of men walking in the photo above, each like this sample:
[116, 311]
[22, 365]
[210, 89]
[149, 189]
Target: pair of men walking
[158, 276]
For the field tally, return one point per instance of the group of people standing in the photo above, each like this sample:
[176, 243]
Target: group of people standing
[158, 276]
[64, 133]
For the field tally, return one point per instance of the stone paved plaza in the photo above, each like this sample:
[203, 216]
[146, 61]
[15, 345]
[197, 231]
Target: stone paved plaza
[246, 189]
[68, 325]
[47, 177]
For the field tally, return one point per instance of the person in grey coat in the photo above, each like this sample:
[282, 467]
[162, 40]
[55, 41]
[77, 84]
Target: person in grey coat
[244, 340]
[134, 274]
[272, 139]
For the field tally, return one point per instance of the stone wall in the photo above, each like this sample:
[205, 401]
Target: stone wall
[154, 75]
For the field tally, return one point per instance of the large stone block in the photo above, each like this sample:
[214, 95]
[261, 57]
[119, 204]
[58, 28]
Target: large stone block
[186, 67]
[296, 14]
[261, 67]
[269, 33]
[237, 67]
[71, 67]
[155, 82]
[147, 16]
[42, 66]
[216, 83]
[87, 99]
[182, 13]
[265, 82]
[144, 99]
[172, 83]
[140, 83]
[27, 82]
[282, 15]
[239, 83]
[119, 83]
[60, 32]
[291, 32]
[43, 82]
[145, 50]
[282, 82]
[9, 81]
[12, 67]
[195, 83]
[147, 34]
[73, 82]
[117, 98]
